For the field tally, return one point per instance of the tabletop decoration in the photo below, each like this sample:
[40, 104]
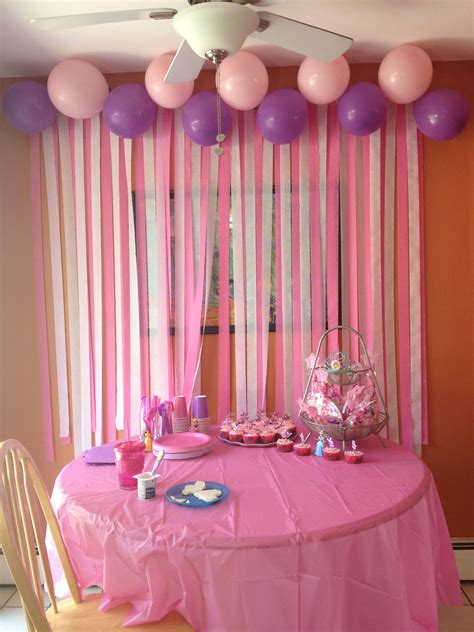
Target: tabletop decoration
[331, 453]
[263, 430]
[353, 456]
[149, 416]
[303, 448]
[285, 444]
[342, 397]
[148, 441]
[318, 450]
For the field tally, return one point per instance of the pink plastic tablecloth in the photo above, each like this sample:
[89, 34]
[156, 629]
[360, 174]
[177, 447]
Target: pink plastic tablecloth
[299, 545]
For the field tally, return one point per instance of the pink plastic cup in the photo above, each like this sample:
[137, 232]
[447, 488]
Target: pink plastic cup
[130, 460]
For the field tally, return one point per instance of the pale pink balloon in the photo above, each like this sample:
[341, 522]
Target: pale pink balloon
[323, 82]
[405, 74]
[168, 95]
[77, 88]
[244, 81]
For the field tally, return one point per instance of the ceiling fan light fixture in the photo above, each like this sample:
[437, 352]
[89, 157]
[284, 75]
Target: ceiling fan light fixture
[215, 25]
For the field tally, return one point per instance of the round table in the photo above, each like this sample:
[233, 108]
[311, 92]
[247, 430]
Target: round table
[300, 544]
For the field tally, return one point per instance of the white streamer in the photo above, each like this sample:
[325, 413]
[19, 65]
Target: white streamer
[267, 233]
[305, 257]
[251, 266]
[114, 151]
[415, 278]
[135, 365]
[97, 271]
[57, 282]
[389, 288]
[344, 240]
[82, 280]
[238, 263]
[72, 292]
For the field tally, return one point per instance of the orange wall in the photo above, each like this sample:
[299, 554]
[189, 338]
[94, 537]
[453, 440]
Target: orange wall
[449, 210]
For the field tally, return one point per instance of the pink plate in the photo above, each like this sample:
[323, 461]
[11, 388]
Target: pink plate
[180, 442]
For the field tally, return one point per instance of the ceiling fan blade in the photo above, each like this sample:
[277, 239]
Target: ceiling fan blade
[88, 19]
[301, 38]
[186, 65]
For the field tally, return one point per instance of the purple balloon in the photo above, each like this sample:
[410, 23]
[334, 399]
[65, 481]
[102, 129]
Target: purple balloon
[362, 109]
[441, 114]
[128, 110]
[282, 116]
[27, 106]
[200, 118]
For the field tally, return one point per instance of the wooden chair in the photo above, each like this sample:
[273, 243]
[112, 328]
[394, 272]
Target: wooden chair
[25, 509]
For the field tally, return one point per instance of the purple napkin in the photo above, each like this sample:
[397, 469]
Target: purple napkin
[100, 455]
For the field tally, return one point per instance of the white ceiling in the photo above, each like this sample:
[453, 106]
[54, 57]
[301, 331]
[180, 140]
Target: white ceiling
[444, 28]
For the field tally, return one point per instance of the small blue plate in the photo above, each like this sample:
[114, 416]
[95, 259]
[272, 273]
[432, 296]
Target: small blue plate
[175, 492]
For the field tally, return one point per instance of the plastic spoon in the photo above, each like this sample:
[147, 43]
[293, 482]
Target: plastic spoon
[159, 458]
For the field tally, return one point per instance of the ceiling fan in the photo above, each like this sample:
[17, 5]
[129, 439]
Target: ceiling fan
[215, 29]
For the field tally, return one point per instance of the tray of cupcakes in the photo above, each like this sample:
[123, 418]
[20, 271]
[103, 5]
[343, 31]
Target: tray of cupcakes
[261, 432]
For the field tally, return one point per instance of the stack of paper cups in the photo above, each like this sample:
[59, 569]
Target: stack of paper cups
[200, 414]
[180, 419]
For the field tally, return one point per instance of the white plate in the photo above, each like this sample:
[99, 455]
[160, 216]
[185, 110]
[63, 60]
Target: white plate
[187, 455]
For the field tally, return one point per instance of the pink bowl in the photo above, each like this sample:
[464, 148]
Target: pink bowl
[180, 442]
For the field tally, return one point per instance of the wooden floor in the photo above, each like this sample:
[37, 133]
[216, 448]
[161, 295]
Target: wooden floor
[11, 615]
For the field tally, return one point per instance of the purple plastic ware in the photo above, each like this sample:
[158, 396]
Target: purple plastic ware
[100, 455]
[199, 408]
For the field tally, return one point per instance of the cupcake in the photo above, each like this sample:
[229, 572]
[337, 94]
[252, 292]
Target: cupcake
[267, 436]
[291, 427]
[250, 437]
[235, 434]
[285, 444]
[331, 453]
[353, 456]
[303, 448]
[224, 431]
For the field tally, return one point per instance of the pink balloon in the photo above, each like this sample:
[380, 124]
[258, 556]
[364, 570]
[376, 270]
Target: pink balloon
[323, 82]
[405, 73]
[244, 81]
[77, 88]
[168, 95]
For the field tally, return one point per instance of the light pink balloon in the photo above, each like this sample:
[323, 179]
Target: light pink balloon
[244, 81]
[405, 73]
[323, 82]
[77, 88]
[168, 95]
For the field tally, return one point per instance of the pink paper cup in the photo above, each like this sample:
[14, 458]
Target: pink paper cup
[180, 407]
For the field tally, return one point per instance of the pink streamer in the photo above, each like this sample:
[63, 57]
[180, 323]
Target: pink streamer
[223, 397]
[258, 144]
[403, 281]
[90, 259]
[142, 264]
[43, 352]
[189, 254]
[383, 148]
[108, 284]
[352, 243]
[368, 281]
[315, 222]
[424, 368]
[279, 377]
[296, 276]
[125, 279]
[332, 221]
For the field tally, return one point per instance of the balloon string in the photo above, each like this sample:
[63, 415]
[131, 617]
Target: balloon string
[220, 137]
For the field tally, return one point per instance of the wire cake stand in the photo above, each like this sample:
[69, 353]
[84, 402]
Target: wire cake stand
[343, 371]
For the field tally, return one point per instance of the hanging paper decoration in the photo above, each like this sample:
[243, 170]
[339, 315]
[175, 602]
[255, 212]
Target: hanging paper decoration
[362, 109]
[282, 116]
[27, 106]
[77, 88]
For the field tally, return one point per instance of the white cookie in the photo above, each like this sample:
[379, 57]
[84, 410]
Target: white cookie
[198, 486]
[208, 495]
